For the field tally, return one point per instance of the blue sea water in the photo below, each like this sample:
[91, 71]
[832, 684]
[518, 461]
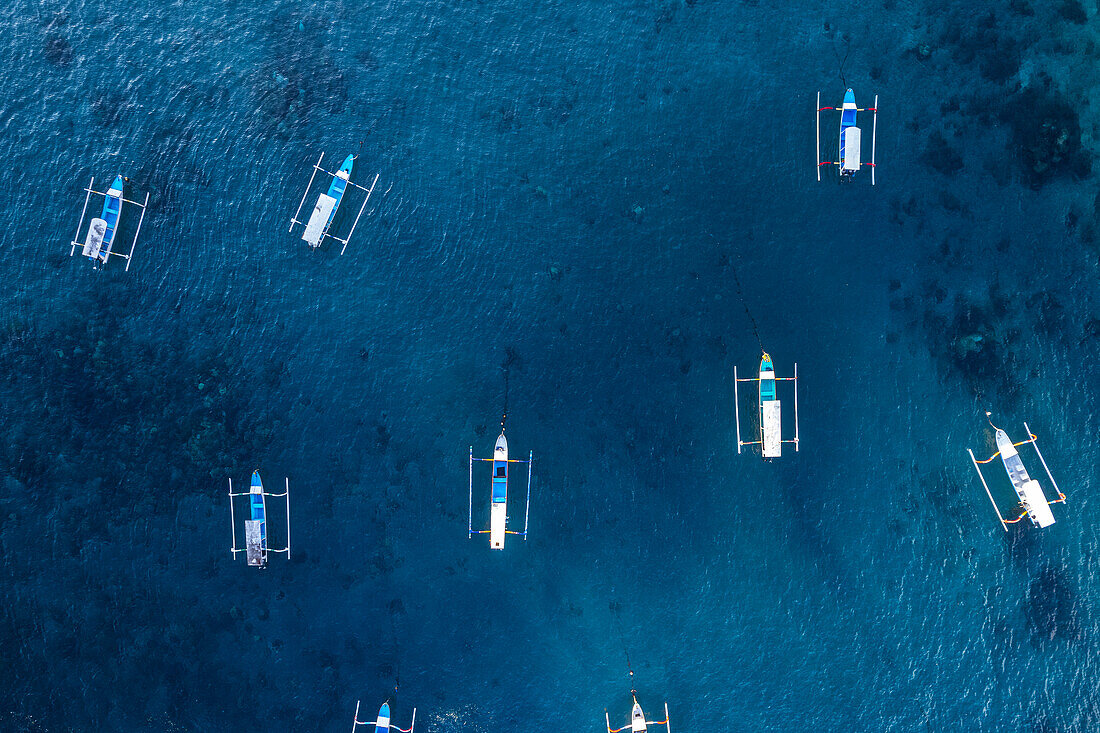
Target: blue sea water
[577, 202]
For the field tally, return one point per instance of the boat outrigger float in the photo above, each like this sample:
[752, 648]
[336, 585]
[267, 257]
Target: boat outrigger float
[382, 723]
[99, 243]
[770, 409]
[498, 501]
[316, 229]
[255, 527]
[638, 723]
[851, 137]
[1032, 499]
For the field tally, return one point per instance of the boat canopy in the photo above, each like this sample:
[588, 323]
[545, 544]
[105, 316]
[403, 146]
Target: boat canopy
[254, 543]
[1036, 503]
[94, 243]
[770, 435]
[850, 140]
[319, 220]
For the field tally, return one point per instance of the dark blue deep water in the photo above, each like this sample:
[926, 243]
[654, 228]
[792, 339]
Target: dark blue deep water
[569, 192]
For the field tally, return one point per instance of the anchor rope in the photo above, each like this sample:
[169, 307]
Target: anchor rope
[504, 367]
[397, 650]
[622, 640]
[755, 330]
[741, 297]
[842, 61]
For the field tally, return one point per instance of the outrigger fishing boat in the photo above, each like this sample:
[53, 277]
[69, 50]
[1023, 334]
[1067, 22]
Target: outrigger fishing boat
[1032, 499]
[317, 228]
[769, 407]
[498, 498]
[256, 546]
[382, 724]
[99, 243]
[638, 723]
[851, 137]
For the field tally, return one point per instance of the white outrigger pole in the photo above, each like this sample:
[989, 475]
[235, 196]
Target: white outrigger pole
[850, 143]
[256, 546]
[90, 246]
[382, 722]
[498, 500]
[1032, 499]
[770, 409]
[316, 229]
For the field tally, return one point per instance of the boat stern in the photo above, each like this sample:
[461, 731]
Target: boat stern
[319, 220]
[255, 543]
[498, 521]
[1035, 501]
[771, 426]
[851, 147]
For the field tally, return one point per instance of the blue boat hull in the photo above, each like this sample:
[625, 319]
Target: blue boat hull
[112, 210]
[340, 184]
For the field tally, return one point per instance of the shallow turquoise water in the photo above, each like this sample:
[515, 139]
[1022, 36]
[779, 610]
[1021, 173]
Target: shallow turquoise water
[566, 193]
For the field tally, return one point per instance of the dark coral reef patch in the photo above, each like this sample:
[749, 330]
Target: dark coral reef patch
[115, 432]
[1046, 136]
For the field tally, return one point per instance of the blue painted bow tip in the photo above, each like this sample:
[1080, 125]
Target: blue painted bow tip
[348, 162]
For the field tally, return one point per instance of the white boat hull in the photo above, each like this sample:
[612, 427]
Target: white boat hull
[1028, 489]
[498, 508]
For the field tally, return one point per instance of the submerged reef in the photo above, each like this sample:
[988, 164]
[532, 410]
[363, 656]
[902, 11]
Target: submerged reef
[1046, 136]
[984, 42]
[1051, 607]
[300, 76]
[58, 50]
[56, 47]
[1003, 47]
[86, 386]
[114, 432]
[967, 341]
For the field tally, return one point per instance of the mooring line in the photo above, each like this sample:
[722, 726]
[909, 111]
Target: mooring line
[622, 640]
[741, 297]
